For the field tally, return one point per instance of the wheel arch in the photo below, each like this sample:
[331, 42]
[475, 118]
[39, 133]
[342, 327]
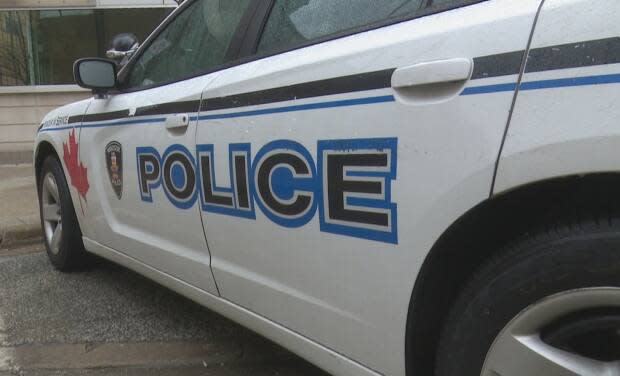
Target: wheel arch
[43, 150]
[478, 234]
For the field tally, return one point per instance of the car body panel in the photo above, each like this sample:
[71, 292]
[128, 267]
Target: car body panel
[156, 232]
[55, 130]
[565, 117]
[350, 293]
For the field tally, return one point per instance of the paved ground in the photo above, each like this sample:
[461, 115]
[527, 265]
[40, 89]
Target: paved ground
[19, 213]
[111, 321]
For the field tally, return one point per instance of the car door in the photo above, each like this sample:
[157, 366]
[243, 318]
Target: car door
[140, 145]
[333, 160]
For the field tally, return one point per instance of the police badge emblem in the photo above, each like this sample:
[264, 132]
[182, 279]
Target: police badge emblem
[114, 161]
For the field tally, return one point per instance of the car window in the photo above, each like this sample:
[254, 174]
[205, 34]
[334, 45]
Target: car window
[293, 22]
[445, 3]
[196, 40]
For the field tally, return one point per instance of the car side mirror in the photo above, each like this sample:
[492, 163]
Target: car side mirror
[96, 74]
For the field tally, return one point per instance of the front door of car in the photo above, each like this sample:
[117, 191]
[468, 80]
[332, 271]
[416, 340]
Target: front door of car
[332, 163]
[141, 146]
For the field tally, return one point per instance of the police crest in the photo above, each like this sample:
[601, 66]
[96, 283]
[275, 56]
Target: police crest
[114, 161]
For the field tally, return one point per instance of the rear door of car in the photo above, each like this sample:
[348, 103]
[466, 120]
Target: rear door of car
[334, 158]
[139, 144]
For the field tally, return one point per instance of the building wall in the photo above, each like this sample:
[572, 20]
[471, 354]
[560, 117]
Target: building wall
[37, 50]
[17, 4]
[21, 112]
[134, 3]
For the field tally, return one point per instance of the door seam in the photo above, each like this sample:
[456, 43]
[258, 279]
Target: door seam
[514, 98]
[202, 222]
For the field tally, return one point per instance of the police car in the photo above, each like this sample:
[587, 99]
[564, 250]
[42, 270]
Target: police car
[395, 187]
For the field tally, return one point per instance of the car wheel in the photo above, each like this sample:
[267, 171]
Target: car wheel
[61, 231]
[548, 305]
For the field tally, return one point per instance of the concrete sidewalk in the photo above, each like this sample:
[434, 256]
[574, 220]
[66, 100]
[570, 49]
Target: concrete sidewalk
[19, 210]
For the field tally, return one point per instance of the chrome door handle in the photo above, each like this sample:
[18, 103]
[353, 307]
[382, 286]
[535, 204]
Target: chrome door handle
[177, 121]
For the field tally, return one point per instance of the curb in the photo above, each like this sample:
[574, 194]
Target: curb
[85, 356]
[22, 234]
[118, 355]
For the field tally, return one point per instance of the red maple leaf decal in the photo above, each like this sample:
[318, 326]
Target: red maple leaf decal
[77, 172]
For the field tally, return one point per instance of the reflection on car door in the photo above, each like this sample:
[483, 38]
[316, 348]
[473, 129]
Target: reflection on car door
[324, 186]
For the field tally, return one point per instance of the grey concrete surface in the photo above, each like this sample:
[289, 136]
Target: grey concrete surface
[111, 321]
[12, 157]
[19, 211]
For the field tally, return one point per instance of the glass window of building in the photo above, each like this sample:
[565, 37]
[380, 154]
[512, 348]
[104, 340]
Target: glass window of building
[38, 47]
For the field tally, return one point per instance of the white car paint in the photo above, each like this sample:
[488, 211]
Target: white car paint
[337, 300]
[572, 130]
[351, 295]
[168, 239]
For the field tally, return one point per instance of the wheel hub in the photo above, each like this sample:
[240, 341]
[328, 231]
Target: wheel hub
[593, 333]
[51, 212]
[575, 332]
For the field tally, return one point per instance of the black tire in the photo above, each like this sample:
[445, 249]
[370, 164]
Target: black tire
[71, 255]
[560, 258]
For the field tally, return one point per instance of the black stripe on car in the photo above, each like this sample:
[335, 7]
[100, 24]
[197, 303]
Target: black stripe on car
[571, 55]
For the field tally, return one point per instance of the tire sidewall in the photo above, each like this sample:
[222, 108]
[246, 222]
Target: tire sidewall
[71, 236]
[505, 288]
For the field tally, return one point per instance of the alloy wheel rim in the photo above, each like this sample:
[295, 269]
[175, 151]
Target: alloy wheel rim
[51, 213]
[522, 348]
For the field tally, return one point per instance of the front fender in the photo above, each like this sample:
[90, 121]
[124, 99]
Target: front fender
[58, 134]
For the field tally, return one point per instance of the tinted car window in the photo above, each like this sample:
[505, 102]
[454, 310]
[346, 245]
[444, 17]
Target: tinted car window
[442, 3]
[293, 22]
[196, 40]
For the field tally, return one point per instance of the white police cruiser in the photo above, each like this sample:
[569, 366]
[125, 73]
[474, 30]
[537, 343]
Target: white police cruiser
[397, 187]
